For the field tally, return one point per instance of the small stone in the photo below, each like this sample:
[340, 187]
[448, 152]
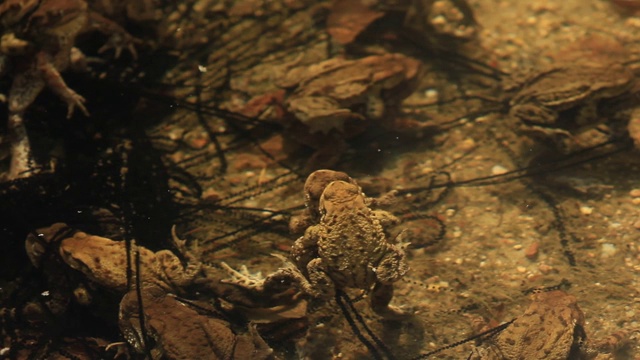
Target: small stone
[586, 210]
[608, 250]
[517, 247]
[637, 224]
[632, 22]
[467, 145]
[196, 140]
[521, 269]
[532, 251]
[431, 95]
[211, 195]
[545, 269]
[498, 170]
[635, 193]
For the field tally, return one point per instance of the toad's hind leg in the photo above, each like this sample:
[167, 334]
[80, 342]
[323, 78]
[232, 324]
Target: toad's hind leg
[20, 148]
[381, 297]
[25, 88]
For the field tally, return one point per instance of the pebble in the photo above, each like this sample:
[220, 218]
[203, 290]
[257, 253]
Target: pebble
[586, 210]
[635, 193]
[431, 95]
[608, 250]
[211, 195]
[637, 224]
[467, 145]
[498, 170]
[196, 140]
[632, 22]
[532, 251]
[545, 269]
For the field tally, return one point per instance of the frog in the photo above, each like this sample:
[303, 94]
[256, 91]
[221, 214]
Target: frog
[104, 261]
[349, 248]
[552, 327]
[204, 336]
[559, 104]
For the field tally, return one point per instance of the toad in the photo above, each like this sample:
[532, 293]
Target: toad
[104, 261]
[551, 328]
[559, 104]
[38, 40]
[202, 336]
[339, 94]
[313, 187]
[271, 298]
[349, 248]
[337, 99]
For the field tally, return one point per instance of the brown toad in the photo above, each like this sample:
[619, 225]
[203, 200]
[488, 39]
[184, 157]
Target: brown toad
[313, 187]
[338, 94]
[38, 43]
[184, 329]
[562, 103]
[349, 248]
[104, 261]
[267, 299]
[161, 273]
[551, 328]
[337, 99]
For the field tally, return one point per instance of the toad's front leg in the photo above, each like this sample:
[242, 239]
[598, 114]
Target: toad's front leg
[306, 247]
[174, 274]
[320, 285]
[119, 38]
[55, 82]
[393, 265]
